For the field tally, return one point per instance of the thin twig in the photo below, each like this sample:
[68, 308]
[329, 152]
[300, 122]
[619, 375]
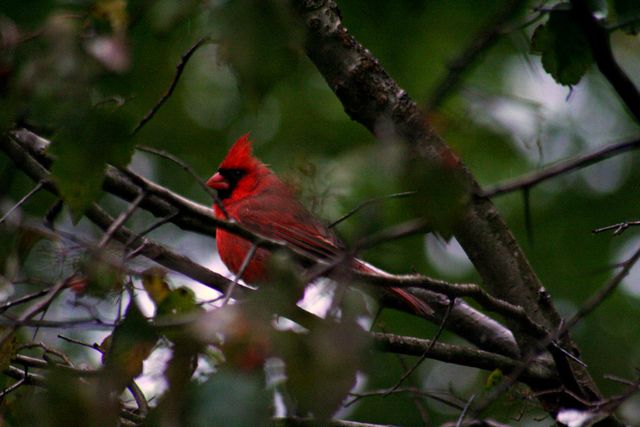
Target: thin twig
[179, 69]
[560, 168]
[71, 323]
[23, 299]
[585, 310]
[122, 218]
[141, 400]
[617, 228]
[245, 263]
[294, 421]
[405, 229]
[162, 255]
[167, 155]
[149, 229]
[52, 213]
[12, 387]
[34, 362]
[428, 349]
[620, 380]
[31, 312]
[462, 355]
[48, 350]
[25, 147]
[413, 390]
[464, 410]
[370, 202]
[597, 299]
[93, 346]
[481, 42]
[26, 197]
[486, 300]
[29, 378]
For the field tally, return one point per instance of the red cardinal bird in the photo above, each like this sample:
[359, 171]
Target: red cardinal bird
[256, 198]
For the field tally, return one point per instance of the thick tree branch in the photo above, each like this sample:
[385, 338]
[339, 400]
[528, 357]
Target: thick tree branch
[454, 290]
[122, 234]
[466, 356]
[372, 98]
[146, 246]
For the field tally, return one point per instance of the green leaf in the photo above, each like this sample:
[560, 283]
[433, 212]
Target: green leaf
[7, 350]
[564, 47]
[127, 347]
[178, 301]
[101, 279]
[70, 401]
[153, 280]
[262, 42]
[321, 366]
[441, 195]
[628, 15]
[88, 140]
[494, 378]
[230, 399]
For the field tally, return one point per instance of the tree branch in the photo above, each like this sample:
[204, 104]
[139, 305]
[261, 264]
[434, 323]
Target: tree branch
[31, 311]
[372, 98]
[560, 168]
[464, 320]
[481, 42]
[460, 355]
[179, 69]
[598, 37]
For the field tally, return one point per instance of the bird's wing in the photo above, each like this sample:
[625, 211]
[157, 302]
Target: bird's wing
[296, 226]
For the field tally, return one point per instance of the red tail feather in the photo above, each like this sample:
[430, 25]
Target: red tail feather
[418, 306]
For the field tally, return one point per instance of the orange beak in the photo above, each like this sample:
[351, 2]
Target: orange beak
[218, 182]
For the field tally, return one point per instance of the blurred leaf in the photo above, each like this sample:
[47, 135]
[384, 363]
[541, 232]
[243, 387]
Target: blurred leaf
[153, 280]
[321, 365]
[245, 334]
[628, 15]
[71, 402]
[211, 402]
[441, 196]
[566, 54]
[170, 303]
[285, 287]
[101, 277]
[78, 284]
[577, 418]
[127, 347]
[178, 373]
[8, 350]
[28, 17]
[58, 83]
[27, 239]
[88, 141]
[494, 378]
[114, 12]
[262, 41]
[178, 301]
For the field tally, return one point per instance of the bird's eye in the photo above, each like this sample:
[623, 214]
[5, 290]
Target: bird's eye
[233, 175]
[237, 173]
